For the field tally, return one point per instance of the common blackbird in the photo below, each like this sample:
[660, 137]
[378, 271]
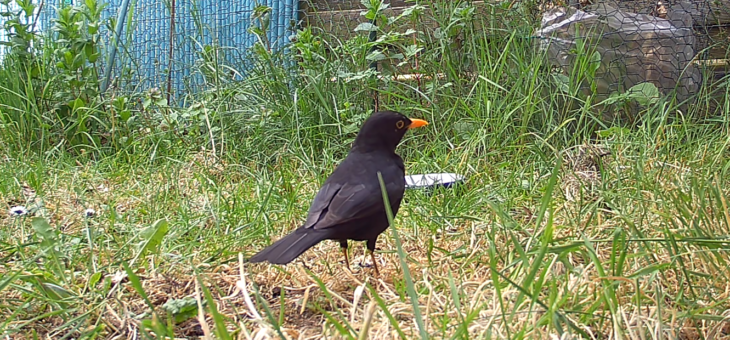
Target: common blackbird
[350, 206]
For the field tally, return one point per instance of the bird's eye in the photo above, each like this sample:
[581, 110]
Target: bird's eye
[400, 124]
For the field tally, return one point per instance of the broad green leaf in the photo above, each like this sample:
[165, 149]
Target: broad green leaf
[366, 26]
[152, 237]
[644, 93]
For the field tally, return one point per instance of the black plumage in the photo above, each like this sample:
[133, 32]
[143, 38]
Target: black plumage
[349, 205]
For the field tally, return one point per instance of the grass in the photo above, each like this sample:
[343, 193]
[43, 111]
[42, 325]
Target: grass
[643, 253]
[567, 225]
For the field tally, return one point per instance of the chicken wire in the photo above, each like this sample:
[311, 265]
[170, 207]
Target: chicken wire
[654, 44]
[700, 27]
[676, 45]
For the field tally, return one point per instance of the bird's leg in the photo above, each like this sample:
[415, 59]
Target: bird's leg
[343, 247]
[375, 264]
[371, 250]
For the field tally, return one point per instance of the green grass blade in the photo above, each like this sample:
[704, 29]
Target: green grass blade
[406, 271]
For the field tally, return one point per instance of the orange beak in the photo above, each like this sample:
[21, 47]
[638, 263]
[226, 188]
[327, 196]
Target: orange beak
[416, 123]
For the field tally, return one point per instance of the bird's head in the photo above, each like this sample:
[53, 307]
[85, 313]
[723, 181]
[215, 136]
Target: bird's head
[384, 130]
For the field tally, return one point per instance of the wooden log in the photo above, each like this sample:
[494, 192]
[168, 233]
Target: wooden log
[339, 18]
[346, 5]
[716, 41]
[703, 12]
[342, 23]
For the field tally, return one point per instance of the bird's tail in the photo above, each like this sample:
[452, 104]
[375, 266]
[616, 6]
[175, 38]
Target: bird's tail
[290, 246]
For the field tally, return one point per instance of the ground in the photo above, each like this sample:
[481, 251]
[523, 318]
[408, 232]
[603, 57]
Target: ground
[614, 254]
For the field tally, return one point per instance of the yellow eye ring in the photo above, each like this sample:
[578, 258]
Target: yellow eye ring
[400, 124]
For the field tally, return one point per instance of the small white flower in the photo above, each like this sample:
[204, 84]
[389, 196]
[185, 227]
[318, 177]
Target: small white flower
[18, 211]
[119, 276]
[88, 213]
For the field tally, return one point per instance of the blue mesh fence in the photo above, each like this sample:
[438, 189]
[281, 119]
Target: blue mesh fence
[145, 51]
[144, 57]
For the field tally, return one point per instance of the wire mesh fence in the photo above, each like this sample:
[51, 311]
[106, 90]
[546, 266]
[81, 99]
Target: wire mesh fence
[166, 41]
[677, 46]
[671, 44]
[162, 43]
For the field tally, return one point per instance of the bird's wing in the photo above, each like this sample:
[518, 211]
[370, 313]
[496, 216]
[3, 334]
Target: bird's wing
[337, 203]
[321, 203]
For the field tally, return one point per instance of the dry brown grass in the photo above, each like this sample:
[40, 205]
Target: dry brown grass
[569, 280]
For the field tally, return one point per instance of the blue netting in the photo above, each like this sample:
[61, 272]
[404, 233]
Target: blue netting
[143, 58]
[223, 24]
